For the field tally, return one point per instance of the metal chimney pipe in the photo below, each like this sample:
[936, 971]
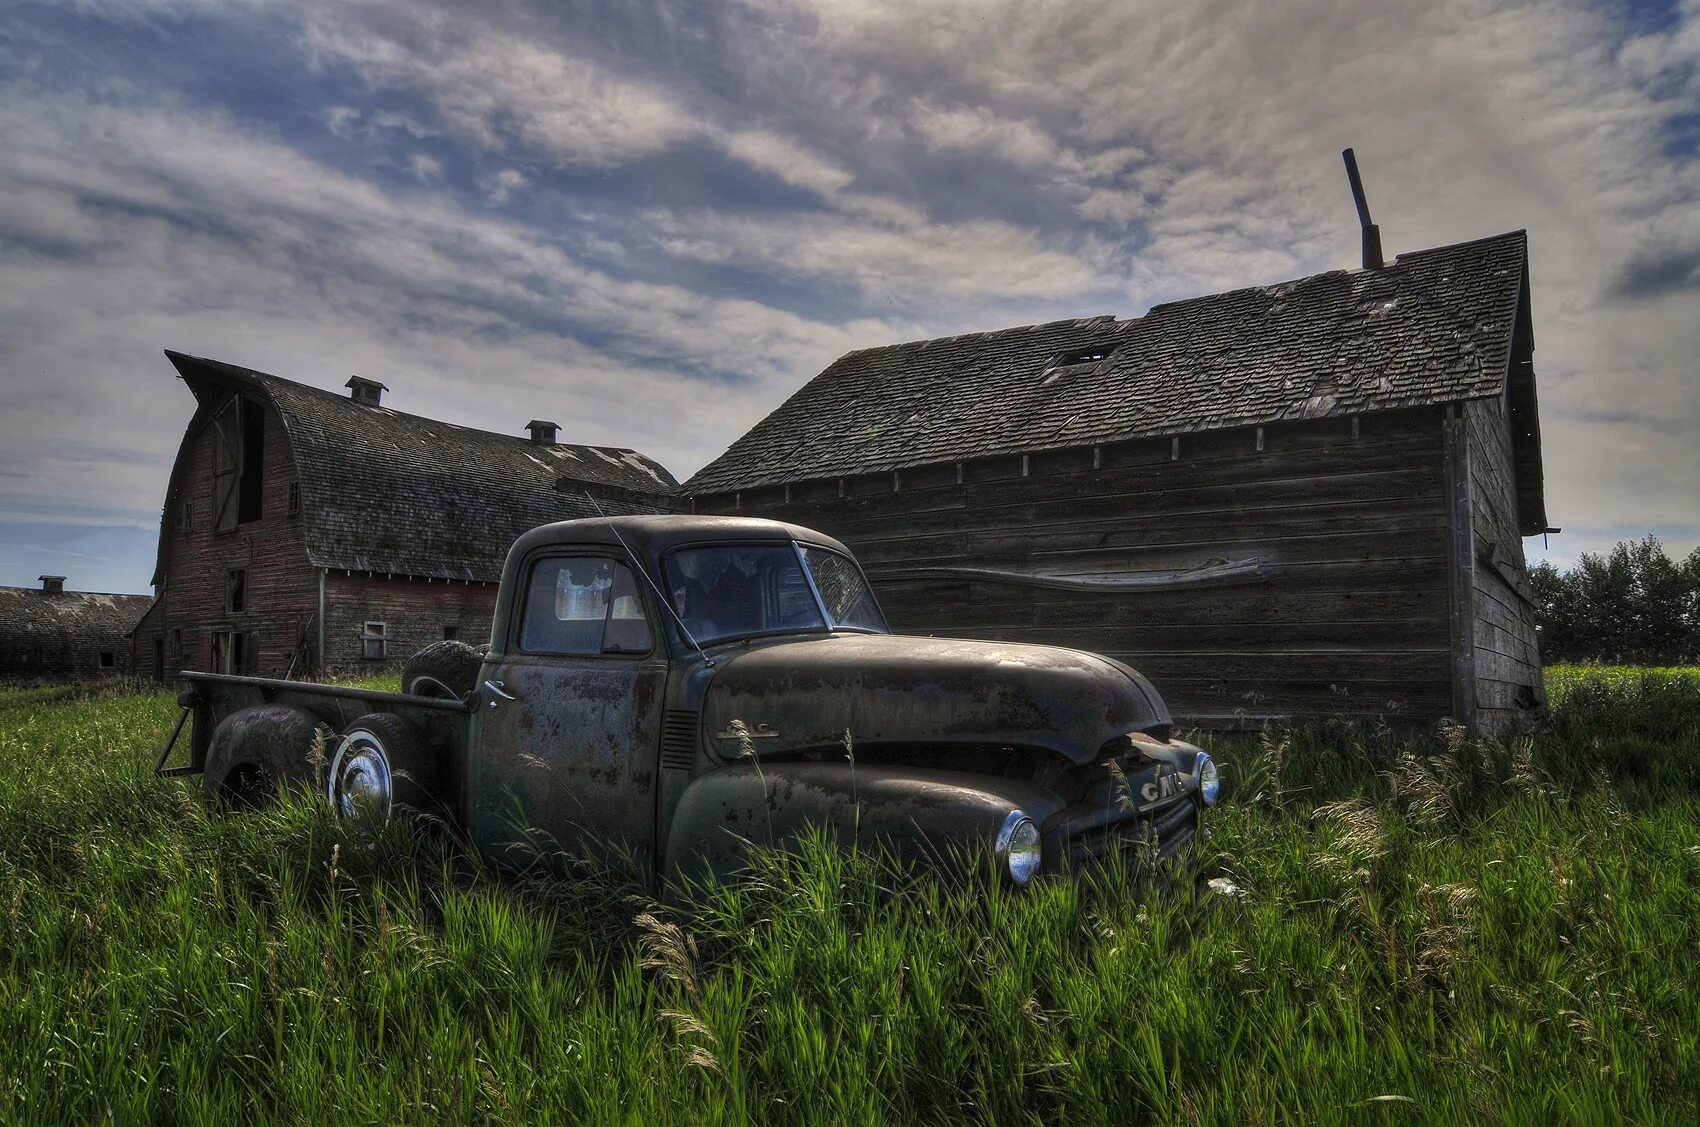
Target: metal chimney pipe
[1372, 233]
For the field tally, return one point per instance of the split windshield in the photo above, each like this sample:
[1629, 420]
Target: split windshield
[725, 591]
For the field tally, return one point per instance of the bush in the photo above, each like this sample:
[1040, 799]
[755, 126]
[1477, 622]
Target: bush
[1633, 605]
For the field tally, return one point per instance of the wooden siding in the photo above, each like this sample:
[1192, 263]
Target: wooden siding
[1349, 619]
[413, 612]
[1508, 680]
[282, 590]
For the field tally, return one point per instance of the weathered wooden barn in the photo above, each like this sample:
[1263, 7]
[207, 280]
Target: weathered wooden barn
[305, 532]
[1288, 501]
[50, 634]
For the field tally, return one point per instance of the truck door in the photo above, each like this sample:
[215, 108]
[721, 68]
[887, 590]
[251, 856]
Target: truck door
[569, 763]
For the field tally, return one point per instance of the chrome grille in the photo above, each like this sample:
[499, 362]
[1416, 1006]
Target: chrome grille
[1171, 828]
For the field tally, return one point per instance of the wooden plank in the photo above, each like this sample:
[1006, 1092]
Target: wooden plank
[1461, 581]
[1362, 636]
[1308, 519]
[1225, 606]
[1249, 469]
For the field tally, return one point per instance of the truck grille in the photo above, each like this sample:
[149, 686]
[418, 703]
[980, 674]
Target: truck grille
[679, 739]
[1170, 828]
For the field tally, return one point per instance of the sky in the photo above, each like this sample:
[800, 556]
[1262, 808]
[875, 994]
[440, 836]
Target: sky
[651, 222]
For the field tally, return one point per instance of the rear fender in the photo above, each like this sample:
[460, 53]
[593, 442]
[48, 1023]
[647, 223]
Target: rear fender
[916, 814]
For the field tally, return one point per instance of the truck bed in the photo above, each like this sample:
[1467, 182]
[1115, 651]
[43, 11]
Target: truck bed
[211, 697]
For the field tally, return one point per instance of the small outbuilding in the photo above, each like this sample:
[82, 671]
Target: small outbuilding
[50, 634]
[1291, 501]
[307, 533]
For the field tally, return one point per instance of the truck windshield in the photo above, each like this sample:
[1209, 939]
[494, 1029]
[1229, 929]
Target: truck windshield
[741, 590]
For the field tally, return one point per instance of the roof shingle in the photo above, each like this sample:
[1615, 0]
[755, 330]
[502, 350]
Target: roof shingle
[386, 491]
[1435, 326]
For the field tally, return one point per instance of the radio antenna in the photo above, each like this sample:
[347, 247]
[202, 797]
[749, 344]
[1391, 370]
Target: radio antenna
[641, 570]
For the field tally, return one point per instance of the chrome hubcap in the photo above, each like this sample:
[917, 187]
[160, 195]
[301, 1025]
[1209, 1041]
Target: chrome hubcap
[360, 777]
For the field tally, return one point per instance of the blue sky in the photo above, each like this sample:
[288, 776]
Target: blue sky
[652, 222]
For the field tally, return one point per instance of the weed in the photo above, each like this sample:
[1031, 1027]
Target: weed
[1433, 928]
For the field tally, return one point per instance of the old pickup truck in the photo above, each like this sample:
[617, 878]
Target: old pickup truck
[679, 687]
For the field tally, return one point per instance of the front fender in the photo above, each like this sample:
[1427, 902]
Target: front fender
[917, 814]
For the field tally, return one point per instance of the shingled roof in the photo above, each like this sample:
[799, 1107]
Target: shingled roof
[1435, 326]
[51, 634]
[385, 491]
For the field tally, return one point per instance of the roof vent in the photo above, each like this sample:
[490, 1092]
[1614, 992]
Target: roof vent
[544, 433]
[1372, 233]
[52, 584]
[363, 390]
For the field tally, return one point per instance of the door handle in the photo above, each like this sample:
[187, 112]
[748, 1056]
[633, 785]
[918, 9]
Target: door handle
[498, 688]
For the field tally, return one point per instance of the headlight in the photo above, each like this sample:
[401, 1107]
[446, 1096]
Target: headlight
[1209, 778]
[1018, 846]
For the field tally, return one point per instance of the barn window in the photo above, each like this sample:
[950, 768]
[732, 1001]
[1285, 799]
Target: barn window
[184, 518]
[107, 660]
[236, 590]
[293, 505]
[374, 641]
[177, 644]
[451, 633]
[221, 651]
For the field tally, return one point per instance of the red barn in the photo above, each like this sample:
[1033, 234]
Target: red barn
[307, 533]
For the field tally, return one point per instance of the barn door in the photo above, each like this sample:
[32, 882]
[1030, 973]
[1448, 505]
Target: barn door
[227, 463]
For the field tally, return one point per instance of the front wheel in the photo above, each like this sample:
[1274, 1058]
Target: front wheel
[382, 765]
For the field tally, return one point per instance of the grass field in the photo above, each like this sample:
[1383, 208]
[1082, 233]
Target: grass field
[1430, 931]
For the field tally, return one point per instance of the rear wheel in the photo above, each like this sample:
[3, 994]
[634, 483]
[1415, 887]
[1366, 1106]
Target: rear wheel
[381, 766]
[442, 669]
[256, 752]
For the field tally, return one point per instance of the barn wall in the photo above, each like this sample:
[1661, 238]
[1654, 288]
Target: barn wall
[1350, 619]
[1508, 679]
[413, 612]
[282, 596]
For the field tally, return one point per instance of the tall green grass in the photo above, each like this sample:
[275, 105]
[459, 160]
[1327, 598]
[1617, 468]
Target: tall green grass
[1436, 930]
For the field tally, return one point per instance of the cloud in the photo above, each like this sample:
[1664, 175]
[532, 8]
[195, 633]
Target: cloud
[502, 89]
[227, 244]
[500, 186]
[424, 167]
[701, 205]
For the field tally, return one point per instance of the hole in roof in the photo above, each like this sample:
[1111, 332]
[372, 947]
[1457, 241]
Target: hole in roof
[1075, 358]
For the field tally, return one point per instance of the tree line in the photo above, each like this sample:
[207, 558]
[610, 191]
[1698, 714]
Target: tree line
[1633, 605]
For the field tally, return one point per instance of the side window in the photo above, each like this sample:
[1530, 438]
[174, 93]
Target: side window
[583, 605]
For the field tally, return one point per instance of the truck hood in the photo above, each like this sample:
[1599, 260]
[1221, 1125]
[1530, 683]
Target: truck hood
[802, 695]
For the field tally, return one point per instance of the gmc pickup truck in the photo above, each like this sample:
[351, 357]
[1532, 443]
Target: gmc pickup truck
[680, 687]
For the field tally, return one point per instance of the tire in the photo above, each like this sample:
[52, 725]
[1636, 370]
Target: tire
[442, 669]
[382, 766]
[256, 752]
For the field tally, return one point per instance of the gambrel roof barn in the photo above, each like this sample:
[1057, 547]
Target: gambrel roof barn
[306, 531]
[50, 634]
[1289, 499]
